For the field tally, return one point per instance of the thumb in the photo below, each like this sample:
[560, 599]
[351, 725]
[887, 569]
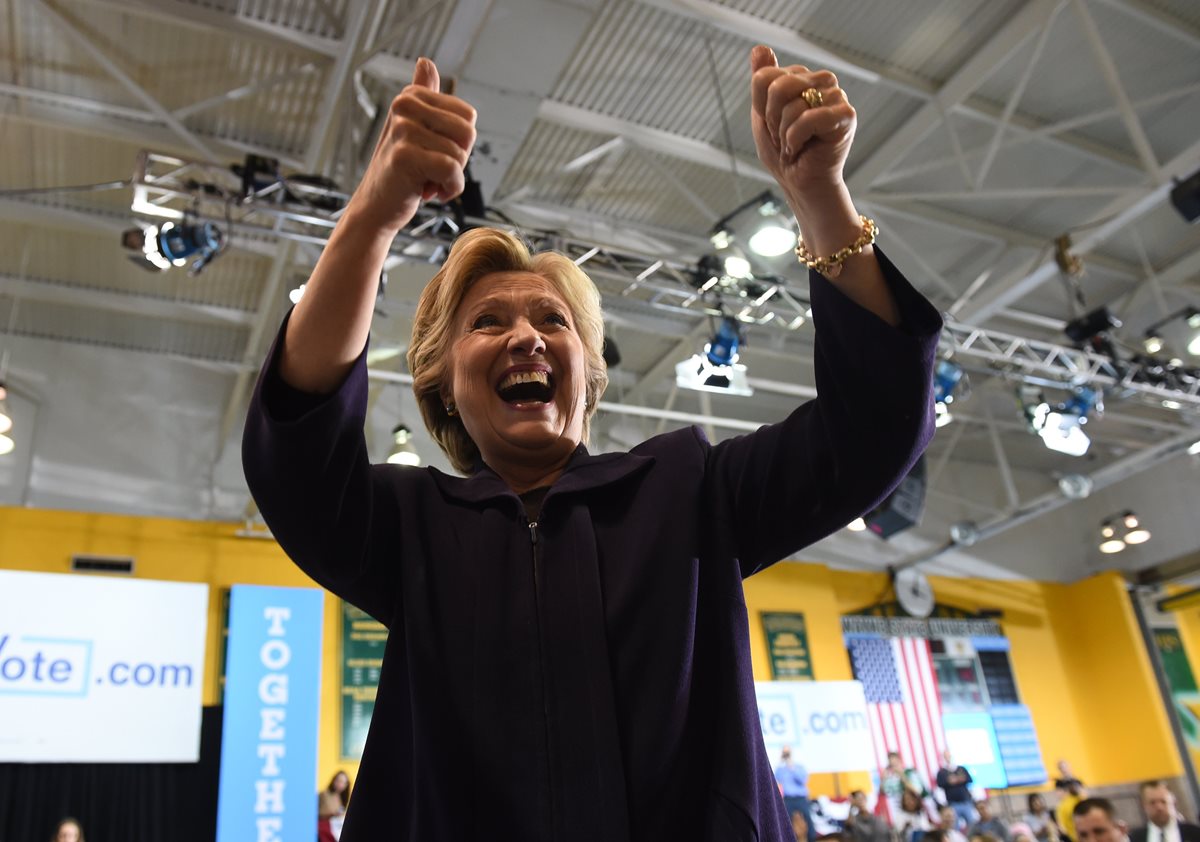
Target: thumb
[425, 75]
[762, 56]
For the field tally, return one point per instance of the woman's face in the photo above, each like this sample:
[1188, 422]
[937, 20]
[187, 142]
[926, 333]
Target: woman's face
[340, 782]
[68, 833]
[517, 370]
[1037, 804]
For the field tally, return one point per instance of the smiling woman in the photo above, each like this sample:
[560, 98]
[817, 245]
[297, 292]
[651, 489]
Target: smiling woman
[568, 655]
[492, 311]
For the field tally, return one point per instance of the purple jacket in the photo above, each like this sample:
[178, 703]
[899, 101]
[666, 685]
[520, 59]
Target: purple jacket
[588, 676]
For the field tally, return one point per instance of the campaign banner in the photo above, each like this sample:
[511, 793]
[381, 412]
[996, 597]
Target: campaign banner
[787, 645]
[824, 722]
[95, 669]
[269, 736]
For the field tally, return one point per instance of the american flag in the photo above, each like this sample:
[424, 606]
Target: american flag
[903, 705]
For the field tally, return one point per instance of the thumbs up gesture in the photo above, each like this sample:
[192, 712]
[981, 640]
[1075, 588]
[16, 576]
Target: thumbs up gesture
[422, 150]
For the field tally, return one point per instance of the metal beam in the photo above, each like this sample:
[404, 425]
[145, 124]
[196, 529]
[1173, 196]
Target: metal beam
[244, 91]
[1158, 19]
[113, 69]
[1117, 216]
[163, 309]
[651, 139]
[1030, 19]
[323, 131]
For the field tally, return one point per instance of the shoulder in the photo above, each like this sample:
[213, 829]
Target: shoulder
[1186, 831]
[1139, 835]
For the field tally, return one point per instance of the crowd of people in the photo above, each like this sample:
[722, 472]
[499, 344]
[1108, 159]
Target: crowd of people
[950, 808]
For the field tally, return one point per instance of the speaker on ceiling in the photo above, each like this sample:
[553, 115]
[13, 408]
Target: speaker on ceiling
[902, 508]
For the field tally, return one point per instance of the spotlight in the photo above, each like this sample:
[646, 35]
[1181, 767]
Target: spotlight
[762, 224]
[775, 235]
[1109, 542]
[1090, 325]
[965, 533]
[610, 352]
[1153, 344]
[1060, 426]
[1075, 486]
[1135, 532]
[946, 378]
[160, 248]
[857, 525]
[1194, 450]
[403, 453]
[1185, 196]
[717, 368]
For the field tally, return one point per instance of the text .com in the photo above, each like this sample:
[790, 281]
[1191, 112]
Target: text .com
[65, 667]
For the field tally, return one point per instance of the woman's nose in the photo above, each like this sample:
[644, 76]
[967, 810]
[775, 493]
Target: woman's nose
[526, 339]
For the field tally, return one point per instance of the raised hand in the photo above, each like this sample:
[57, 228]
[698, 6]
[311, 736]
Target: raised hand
[421, 153]
[804, 145]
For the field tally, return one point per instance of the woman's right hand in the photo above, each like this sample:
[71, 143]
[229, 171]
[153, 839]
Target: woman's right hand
[422, 151]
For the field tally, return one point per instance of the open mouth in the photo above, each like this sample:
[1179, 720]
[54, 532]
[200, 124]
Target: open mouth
[526, 387]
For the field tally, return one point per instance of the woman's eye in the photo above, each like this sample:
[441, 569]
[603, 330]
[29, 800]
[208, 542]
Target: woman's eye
[484, 321]
[557, 318]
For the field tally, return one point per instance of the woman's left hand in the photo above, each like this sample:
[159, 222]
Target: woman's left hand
[802, 145]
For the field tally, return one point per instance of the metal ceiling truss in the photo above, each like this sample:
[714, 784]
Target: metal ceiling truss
[174, 188]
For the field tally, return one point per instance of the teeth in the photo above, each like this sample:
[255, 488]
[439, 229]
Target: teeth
[518, 377]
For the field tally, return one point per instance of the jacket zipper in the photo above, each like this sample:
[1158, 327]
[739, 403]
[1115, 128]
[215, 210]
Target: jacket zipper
[535, 541]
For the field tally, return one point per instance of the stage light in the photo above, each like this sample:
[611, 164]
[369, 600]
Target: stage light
[946, 378]
[717, 368]
[857, 525]
[762, 224]
[1194, 450]
[403, 453]
[1060, 426]
[1185, 196]
[1075, 486]
[1135, 532]
[965, 533]
[161, 247]
[1109, 542]
[6, 421]
[775, 234]
[1153, 344]
[1090, 325]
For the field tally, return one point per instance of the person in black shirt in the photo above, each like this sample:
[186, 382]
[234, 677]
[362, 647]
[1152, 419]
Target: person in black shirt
[956, 782]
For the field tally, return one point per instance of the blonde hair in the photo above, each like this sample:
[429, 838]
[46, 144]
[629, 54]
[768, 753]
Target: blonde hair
[476, 253]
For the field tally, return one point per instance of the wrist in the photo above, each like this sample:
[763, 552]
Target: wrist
[827, 218]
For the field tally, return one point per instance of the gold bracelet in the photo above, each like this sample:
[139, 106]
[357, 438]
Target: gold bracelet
[831, 266]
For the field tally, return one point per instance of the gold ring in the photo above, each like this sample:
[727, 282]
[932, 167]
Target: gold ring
[813, 97]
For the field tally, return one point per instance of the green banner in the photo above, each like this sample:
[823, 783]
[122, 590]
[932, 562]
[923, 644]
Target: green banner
[787, 646]
[363, 641]
[1181, 680]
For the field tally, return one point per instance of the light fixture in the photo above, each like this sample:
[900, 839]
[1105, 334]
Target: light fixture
[946, 378]
[762, 224]
[158, 248]
[717, 369]
[1194, 450]
[1135, 532]
[857, 525]
[1109, 542]
[295, 295]
[965, 533]
[403, 452]
[1155, 336]
[1075, 486]
[1153, 343]
[1060, 426]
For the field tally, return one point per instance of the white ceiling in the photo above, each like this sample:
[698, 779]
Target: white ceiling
[986, 130]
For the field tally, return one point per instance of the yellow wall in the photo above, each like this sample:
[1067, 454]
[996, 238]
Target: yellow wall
[1076, 652]
[182, 551]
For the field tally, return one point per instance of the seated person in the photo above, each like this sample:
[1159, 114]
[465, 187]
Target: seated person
[949, 822]
[988, 823]
[862, 824]
[1040, 820]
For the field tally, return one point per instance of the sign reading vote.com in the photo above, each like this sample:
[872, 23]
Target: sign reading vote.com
[824, 722]
[100, 670]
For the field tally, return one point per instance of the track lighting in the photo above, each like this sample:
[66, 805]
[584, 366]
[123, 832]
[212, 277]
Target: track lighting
[403, 453]
[1120, 531]
[716, 369]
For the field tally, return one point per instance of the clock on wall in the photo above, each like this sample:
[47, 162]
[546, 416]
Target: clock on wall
[913, 592]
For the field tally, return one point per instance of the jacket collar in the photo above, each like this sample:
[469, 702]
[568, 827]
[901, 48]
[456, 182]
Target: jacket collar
[584, 472]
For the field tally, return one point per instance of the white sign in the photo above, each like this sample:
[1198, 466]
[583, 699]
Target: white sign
[100, 670]
[824, 723]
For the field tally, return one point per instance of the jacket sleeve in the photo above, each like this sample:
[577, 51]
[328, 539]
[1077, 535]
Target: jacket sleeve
[335, 515]
[835, 457]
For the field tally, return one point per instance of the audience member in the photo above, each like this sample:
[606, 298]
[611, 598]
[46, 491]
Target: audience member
[1095, 820]
[1040, 819]
[1162, 819]
[935, 835]
[955, 782]
[331, 807]
[1021, 832]
[1065, 776]
[1065, 811]
[865, 826]
[69, 830]
[793, 782]
[800, 826]
[952, 824]
[914, 821]
[989, 823]
[897, 780]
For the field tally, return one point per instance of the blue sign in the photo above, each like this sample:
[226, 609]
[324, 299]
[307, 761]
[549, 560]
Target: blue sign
[269, 737]
[1018, 745]
[971, 738]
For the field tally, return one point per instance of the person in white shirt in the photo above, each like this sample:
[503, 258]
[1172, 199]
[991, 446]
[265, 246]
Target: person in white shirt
[1162, 819]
